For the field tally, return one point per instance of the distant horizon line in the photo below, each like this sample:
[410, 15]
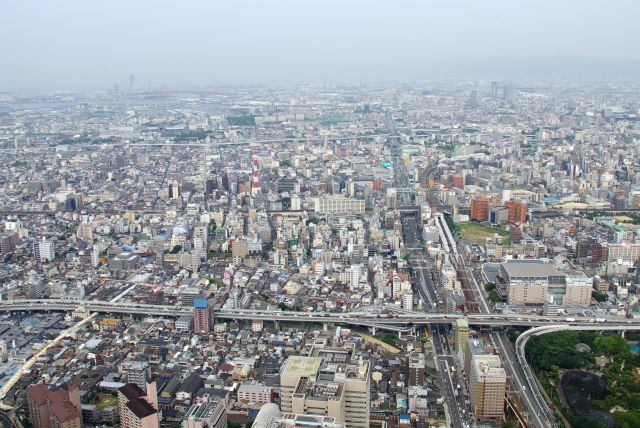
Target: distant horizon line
[545, 68]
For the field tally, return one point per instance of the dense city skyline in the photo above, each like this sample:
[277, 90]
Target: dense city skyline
[305, 214]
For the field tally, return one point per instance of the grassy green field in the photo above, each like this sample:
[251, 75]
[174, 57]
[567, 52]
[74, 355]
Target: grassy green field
[478, 233]
[111, 401]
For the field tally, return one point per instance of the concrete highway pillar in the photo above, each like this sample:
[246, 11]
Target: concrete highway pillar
[277, 323]
[399, 335]
[622, 333]
[373, 330]
[325, 327]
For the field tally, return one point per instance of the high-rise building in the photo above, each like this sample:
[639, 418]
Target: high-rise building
[296, 203]
[58, 408]
[529, 281]
[137, 408]
[354, 276]
[201, 316]
[226, 183]
[138, 372]
[44, 250]
[210, 185]
[487, 386]
[289, 420]
[479, 209]
[329, 382]
[4, 351]
[211, 413]
[578, 289]
[416, 369]
[494, 89]
[472, 102]
[517, 211]
[85, 232]
[8, 242]
[339, 205]
[255, 179]
[174, 190]
[407, 301]
[461, 333]
[507, 92]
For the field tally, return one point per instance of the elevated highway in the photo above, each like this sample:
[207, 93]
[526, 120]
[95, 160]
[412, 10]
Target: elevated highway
[400, 320]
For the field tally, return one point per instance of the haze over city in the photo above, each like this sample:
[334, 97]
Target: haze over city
[95, 45]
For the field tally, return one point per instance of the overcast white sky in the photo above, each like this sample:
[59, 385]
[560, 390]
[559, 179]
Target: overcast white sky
[52, 44]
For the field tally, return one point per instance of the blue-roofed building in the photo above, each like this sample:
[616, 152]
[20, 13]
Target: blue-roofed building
[200, 303]
[201, 316]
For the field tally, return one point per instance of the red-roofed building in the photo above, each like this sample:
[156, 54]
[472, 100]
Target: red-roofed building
[54, 408]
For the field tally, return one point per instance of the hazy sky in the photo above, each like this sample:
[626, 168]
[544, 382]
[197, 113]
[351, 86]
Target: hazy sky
[52, 44]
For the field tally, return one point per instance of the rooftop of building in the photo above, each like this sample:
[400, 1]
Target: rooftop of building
[301, 366]
[530, 268]
[61, 406]
[131, 391]
[141, 407]
[200, 303]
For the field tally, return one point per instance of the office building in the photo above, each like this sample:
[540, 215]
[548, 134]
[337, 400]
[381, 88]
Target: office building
[528, 281]
[289, 185]
[487, 386]
[289, 420]
[336, 204]
[211, 413]
[329, 382]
